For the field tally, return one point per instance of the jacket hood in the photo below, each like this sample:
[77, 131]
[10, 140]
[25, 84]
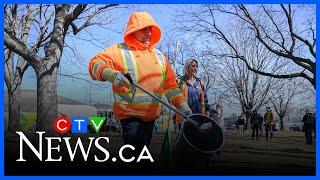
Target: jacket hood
[141, 20]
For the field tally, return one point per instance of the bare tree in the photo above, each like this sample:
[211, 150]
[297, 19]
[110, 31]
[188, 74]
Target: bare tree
[288, 31]
[282, 30]
[285, 93]
[14, 70]
[54, 22]
[244, 88]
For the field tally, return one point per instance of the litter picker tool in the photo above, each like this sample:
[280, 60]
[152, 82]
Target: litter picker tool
[203, 127]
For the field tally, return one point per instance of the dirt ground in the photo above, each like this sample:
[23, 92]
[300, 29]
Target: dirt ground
[285, 154]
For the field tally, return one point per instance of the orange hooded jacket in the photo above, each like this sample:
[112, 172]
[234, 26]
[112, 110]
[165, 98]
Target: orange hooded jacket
[154, 75]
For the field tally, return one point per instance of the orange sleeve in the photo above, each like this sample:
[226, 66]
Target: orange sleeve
[170, 79]
[171, 88]
[104, 59]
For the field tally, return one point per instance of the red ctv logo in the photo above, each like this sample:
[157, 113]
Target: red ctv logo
[62, 125]
[78, 125]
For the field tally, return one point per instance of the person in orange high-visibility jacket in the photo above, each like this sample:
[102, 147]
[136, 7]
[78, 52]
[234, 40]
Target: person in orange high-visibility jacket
[193, 89]
[149, 68]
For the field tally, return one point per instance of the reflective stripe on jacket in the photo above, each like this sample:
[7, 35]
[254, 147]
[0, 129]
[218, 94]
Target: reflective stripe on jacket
[147, 66]
[201, 99]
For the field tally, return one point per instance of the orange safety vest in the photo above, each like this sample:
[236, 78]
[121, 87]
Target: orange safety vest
[184, 88]
[130, 66]
[146, 65]
[151, 74]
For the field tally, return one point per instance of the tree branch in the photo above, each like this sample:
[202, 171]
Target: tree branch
[20, 48]
[297, 60]
[88, 21]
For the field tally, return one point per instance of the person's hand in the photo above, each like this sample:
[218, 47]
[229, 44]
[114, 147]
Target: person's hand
[186, 111]
[116, 78]
[121, 81]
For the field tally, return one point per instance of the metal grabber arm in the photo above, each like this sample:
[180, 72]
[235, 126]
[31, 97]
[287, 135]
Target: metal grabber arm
[205, 126]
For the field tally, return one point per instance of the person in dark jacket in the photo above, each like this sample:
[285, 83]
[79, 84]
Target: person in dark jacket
[309, 121]
[254, 120]
[314, 125]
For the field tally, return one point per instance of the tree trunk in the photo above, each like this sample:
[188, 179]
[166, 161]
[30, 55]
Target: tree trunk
[281, 123]
[14, 109]
[314, 81]
[248, 116]
[47, 102]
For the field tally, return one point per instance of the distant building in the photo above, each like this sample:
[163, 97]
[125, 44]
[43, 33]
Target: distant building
[66, 107]
[103, 109]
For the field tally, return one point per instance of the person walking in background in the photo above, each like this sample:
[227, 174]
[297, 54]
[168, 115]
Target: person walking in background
[241, 123]
[148, 67]
[314, 124]
[254, 120]
[213, 113]
[308, 123]
[268, 121]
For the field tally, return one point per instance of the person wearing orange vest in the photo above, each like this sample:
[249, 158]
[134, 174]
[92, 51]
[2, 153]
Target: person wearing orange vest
[149, 68]
[193, 89]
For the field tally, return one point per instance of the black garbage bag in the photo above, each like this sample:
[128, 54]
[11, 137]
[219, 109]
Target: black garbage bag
[194, 146]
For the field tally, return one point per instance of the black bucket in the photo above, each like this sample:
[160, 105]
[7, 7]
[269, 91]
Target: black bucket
[193, 148]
